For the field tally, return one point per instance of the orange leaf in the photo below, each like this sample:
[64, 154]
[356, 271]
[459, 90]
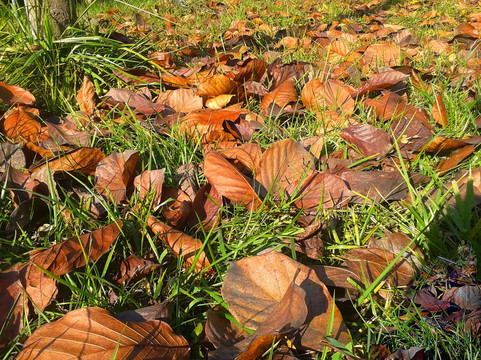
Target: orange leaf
[21, 125]
[439, 111]
[217, 85]
[93, 333]
[181, 244]
[11, 94]
[86, 97]
[283, 95]
[229, 182]
[332, 94]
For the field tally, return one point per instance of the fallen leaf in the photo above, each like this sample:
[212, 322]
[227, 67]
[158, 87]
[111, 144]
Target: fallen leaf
[93, 332]
[368, 264]
[21, 125]
[455, 158]
[370, 140]
[380, 81]
[138, 103]
[134, 269]
[219, 101]
[149, 186]
[222, 332]
[378, 55]
[466, 297]
[217, 85]
[332, 94]
[439, 111]
[181, 100]
[115, 173]
[229, 182]
[11, 94]
[254, 286]
[281, 96]
[87, 97]
[283, 163]
[205, 208]
[181, 244]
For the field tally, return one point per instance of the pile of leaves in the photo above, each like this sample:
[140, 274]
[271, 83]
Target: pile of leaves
[222, 103]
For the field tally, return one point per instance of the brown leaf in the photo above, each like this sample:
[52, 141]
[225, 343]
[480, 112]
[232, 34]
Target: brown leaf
[222, 332]
[281, 96]
[115, 174]
[136, 102]
[378, 55]
[181, 100]
[439, 111]
[396, 242]
[181, 244]
[370, 140]
[392, 106]
[413, 353]
[29, 215]
[11, 155]
[21, 288]
[64, 257]
[11, 94]
[455, 158]
[380, 81]
[205, 208]
[86, 97]
[137, 76]
[282, 164]
[208, 124]
[254, 286]
[368, 264]
[335, 276]
[83, 160]
[440, 143]
[229, 182]
[134, 269]
[217, 85]
[248, 154]
[149, 186]
[466, 297]
[21, 125]
[320, 189]
[93, 332]
[332, 94]
[22, 186]
[252, 70]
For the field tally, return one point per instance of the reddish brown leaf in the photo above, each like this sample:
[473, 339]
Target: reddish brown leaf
[252, 70]
[137, 76]
[181, 244]
[149, 186]
[466, 297]
[332, 94]
[11, 94]
[134, 269]
[93, 332]
[282, 164]
[254, 286]
[229, 182]
[248, 154]
[455, 158]
[396, 242]
[115, 174]
[429, 302]
[21, 288]
[86, 97]
[320, 189]
[440, 143]
[439, 111]
[281, 96]
[64, 257]
[336, 276]
[380, 81]
[208, 124]
[392, 106]
[205, 208]
[370, 140]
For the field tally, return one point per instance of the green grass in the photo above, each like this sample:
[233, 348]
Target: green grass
[53, 71]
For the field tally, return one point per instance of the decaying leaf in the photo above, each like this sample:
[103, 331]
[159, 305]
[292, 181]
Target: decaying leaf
[133, 268]
[11, 94]
[87, 97]
[93, 332]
